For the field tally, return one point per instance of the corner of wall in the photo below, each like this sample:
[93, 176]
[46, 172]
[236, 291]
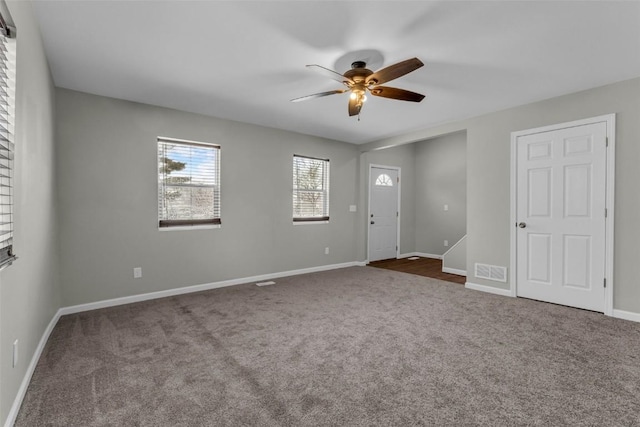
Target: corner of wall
[30, 290]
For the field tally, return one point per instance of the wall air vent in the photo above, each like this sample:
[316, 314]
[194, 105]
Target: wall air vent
[491, 272]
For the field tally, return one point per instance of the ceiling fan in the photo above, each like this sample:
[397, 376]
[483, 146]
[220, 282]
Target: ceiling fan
[359, 79]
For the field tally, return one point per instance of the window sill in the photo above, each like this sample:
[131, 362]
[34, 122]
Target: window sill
[8, 262]
[189, 227]
[309, 222]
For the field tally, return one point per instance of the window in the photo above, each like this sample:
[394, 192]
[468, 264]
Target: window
[7, 94]
[188, 183]
[310, 189]
[384, 180]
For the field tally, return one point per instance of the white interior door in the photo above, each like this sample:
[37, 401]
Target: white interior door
[383, 213]
[560, 212]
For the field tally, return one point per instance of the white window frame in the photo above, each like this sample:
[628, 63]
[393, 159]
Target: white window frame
[213, 223]
[324, 219]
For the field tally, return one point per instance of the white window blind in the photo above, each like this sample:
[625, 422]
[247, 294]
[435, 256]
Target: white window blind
[7, 106]
[188, 183]
[310, 189]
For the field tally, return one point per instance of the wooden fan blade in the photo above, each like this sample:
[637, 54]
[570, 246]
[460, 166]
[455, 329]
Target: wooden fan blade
[319, 95]
[394, 71]
[395, 93]
[330, 73]
[354, 108]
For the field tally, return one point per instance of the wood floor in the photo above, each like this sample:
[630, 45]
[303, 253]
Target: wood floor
[427, 267]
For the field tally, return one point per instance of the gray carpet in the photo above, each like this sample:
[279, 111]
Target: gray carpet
[354, 347]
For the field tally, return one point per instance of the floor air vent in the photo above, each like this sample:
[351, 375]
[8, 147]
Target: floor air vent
[269, 283]
[491, 272]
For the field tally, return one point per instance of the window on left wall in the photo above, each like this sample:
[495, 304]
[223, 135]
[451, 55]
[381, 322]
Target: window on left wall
[188, 183]
[7, 109]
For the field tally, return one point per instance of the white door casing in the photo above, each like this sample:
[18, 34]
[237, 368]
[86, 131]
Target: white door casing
[562, 239]
[384, 211]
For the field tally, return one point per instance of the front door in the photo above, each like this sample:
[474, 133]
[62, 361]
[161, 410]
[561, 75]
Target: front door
[383, 213]
[560, 212]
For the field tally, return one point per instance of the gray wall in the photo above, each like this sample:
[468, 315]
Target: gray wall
[402, 157]
[441, 178]
[488, 166]
[107, 171]
[29, 289]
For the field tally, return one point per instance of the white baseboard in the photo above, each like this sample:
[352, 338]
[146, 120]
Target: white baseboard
[17, 402]
[627, 315]
[400, 256]
[198, 288]
[454, 271]
[425, 255]
[488, 289]
[420, 254]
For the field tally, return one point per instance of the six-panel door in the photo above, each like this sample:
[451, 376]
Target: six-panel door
[561, 195]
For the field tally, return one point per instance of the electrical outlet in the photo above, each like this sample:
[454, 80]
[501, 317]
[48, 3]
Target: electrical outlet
[352, 208]
[326, 250]
[446, 207]
[446, 243]
[137, 272]
[15, 353]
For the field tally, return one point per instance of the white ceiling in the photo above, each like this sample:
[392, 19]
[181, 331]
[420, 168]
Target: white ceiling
[245, 60]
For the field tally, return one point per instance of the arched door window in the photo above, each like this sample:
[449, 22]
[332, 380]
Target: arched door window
[384, 180]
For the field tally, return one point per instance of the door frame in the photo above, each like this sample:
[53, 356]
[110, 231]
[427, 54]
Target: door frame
[396, 168]
[610, 121]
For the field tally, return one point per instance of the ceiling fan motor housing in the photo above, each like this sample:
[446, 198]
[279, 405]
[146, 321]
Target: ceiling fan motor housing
[358, 72]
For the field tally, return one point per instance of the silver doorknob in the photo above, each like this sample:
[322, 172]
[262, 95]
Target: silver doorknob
[373, 222]
[522, 225]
